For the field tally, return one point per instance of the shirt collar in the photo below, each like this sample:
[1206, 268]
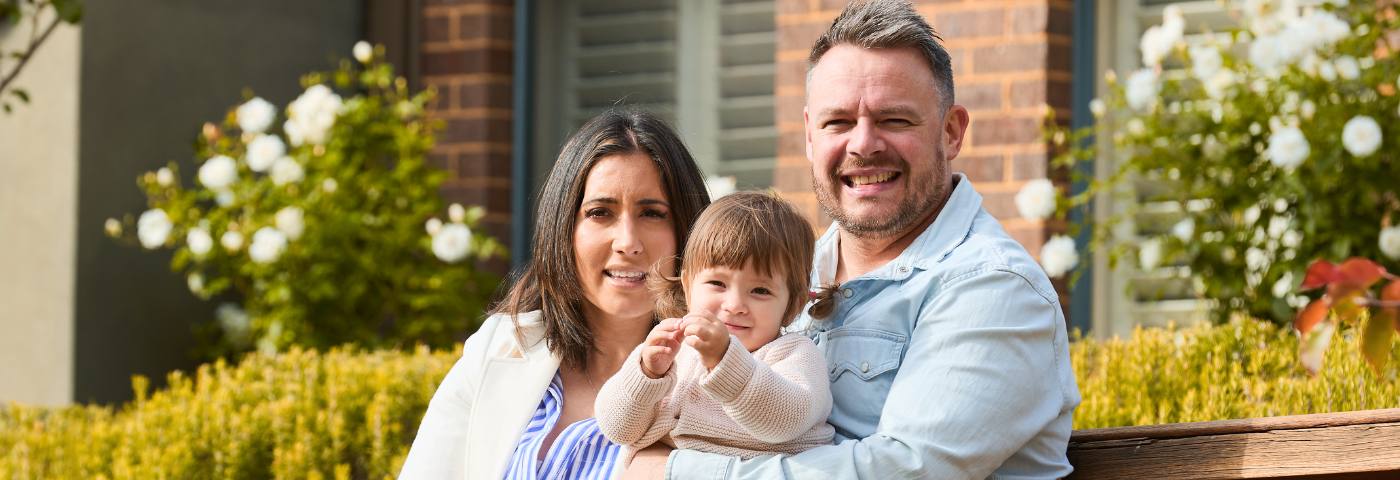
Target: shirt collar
[934, 244]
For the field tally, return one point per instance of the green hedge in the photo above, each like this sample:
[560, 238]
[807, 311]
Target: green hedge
[301, 414]
[352, 414]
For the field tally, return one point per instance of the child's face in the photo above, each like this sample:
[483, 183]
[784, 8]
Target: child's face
[750, 305]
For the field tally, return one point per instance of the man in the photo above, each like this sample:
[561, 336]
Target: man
[947, 349]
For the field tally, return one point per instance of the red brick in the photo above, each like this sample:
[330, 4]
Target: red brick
[979, 96]
[483, 165]
[799, 36]
[970, 23]
[476, 130]
[477, 60]
[1009, 58]
[789, 7]
[1004, 131]
[1001, 205]
[437, 28]
[485, 25]
[793, 178]
[1029, 166]
[1032, 238]
[792, 143]
[981, 169]
[489, 95]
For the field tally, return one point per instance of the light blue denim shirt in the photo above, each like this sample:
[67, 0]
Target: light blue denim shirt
[950, 361]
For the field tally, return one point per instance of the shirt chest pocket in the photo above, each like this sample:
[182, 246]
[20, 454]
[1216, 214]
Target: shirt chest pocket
[862, 353]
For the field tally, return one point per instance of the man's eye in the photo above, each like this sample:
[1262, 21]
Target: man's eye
[899, 122]
[836, 123]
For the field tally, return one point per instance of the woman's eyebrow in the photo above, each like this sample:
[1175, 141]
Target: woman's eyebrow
[653, 201]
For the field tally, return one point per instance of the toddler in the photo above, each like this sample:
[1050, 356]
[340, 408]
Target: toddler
[739, 386]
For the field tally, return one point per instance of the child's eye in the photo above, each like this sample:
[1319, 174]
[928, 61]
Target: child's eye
[716, 283]
[762, 291]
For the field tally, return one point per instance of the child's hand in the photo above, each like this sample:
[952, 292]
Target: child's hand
[659, 349]
[706, 335]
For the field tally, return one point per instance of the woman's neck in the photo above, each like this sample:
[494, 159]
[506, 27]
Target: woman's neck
[614, 338]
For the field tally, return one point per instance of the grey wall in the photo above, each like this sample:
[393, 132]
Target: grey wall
[152, 72]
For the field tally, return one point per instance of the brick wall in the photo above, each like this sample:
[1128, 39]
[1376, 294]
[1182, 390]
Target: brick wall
[465, 54]
[1011, 59]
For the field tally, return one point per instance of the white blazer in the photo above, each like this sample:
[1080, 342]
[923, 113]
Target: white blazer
[478, 414]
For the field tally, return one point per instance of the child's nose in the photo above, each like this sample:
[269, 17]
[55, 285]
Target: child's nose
[734, 304]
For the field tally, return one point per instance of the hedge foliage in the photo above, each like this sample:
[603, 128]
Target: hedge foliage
[300, 414]
[353, 414]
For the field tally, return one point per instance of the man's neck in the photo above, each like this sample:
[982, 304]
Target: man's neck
[859, 255]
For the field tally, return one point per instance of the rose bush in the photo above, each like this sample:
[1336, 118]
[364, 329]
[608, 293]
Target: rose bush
[1263, 148]
[320, 227]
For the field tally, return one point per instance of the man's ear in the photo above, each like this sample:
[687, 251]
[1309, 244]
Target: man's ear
[807, 132]
[954, 130]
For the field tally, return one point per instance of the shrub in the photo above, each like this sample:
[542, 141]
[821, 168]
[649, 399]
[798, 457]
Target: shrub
[300, 414]
[1245, 368]
[318, 222]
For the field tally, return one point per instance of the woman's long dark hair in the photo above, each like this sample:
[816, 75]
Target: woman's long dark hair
[549, 282]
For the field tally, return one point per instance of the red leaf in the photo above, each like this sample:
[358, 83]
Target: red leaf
[1391, 293]
[1320, 273]
[1359, 273]
[1313, 314]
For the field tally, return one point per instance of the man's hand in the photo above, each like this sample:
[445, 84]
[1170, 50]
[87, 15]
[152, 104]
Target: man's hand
[649, 464]
[706, 335]
[659, 349]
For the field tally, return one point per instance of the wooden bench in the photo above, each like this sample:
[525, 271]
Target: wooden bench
[1350, 445]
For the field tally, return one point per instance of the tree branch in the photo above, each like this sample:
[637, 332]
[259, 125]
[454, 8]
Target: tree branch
[34, 44]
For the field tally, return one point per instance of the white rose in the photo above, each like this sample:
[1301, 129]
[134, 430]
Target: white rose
[286, 170]
[433, 226]
[113, 227]
[1158, 41]
[1327, 71]
[1307, 109]
[290, 221]
[456, 213]
[1036, 200]
[224, 198]
[268, 245]
[1136, 127]
[1347, 68]
[232, 241]
[363, 51]
[234, 321]
[1097, 107]
[1283, 285]
[1361, 136]
[153, 227]
[452, 243]
[1390, 242]
[311, 116]
[1184, 229]
[1288, 148]
[255, 115]
[1219, 83]
[165, 177]
[329, 185]
[1205, 62]
[719, 186]
[218, 173]
[196, 283]
[1141, 90]
[1291, 239]
[199, 241]
[1058, 255]
[263, 150]
[1256, 260]
[1251, 215]
[1150, 253]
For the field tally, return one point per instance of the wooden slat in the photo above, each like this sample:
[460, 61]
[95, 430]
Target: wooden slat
[1342, 445]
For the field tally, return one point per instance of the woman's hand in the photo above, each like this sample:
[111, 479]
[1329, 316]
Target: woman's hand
[706, 335]
[659, 349]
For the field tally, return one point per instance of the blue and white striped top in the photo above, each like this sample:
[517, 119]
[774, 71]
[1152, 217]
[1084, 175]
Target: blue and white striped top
[580, 452]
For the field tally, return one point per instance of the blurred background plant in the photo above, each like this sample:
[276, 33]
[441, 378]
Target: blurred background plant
[1277, 141]
[43, 16]
[326, 230]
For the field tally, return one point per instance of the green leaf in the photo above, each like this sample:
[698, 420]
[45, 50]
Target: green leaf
[70, 11]
[1375, 340]
[21, 94]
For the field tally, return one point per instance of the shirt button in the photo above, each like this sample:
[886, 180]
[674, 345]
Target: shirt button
[846, 293]
[903, 269]
[864, 367]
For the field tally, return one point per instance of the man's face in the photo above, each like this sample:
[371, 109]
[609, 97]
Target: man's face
[877, 139]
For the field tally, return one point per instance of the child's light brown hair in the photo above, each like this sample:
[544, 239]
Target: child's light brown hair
[738, 229]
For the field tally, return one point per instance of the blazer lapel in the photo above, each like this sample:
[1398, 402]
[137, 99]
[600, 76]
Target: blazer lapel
[512, 385]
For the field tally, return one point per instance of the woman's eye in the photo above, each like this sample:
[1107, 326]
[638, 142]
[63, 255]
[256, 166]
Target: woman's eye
[654, 213]
[596, 212]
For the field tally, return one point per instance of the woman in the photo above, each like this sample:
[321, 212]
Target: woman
[621, 197]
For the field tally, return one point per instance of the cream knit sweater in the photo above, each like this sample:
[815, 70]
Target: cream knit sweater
[775, 400]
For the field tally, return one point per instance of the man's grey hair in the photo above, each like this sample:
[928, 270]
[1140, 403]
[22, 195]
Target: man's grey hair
[888, 24]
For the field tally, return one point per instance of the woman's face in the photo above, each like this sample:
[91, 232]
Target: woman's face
[622, 228]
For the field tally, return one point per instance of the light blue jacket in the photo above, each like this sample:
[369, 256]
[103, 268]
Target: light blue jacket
[951, 361]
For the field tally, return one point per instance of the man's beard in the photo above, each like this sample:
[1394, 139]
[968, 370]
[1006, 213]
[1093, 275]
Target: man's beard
[921, 195]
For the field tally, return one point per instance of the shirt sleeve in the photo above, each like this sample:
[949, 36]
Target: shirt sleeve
[773, 403]
[439, 449]
[978, 381]
[628, 407]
